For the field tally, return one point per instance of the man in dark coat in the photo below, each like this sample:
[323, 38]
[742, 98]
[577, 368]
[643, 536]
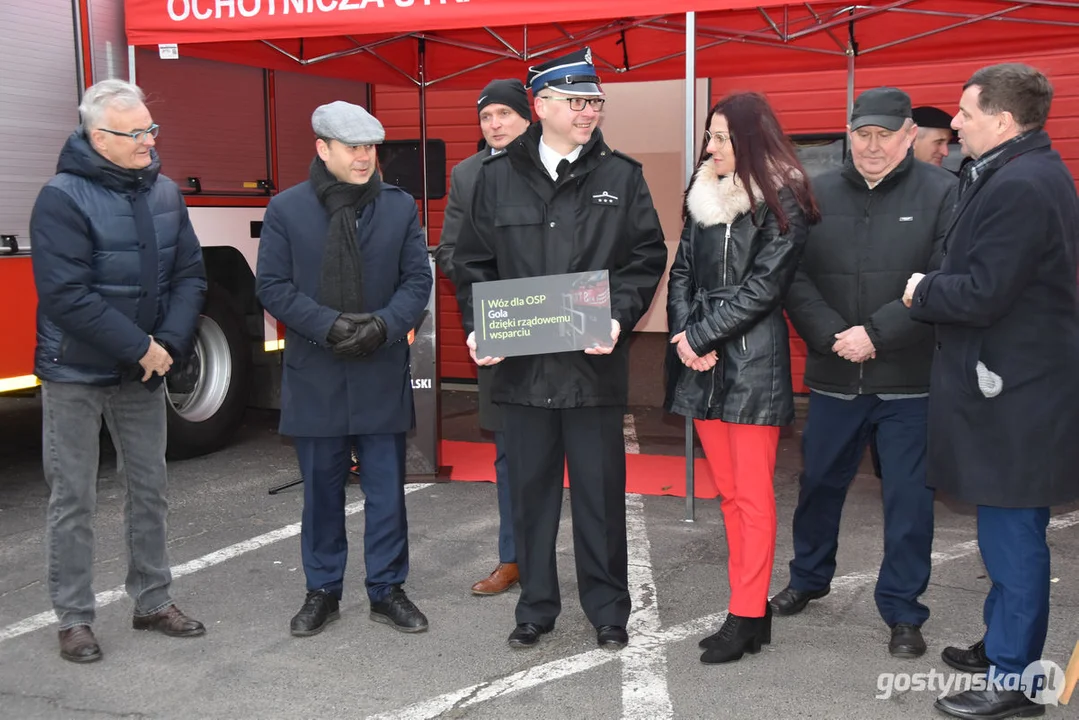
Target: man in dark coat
[120, 284]
[559, 200]
[504, 113]
[1004, 397]
[883, 216]
[343, 264]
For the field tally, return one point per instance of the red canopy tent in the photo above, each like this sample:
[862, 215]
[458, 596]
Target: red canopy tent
[440, 42]
[464, 42]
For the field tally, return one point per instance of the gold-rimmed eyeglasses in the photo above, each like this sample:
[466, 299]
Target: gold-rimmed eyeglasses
[720, 138]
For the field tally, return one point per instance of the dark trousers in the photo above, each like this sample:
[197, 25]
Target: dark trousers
[1015, 552]
[834, 441]
[540, 443]
[507, 548]
[324, 464]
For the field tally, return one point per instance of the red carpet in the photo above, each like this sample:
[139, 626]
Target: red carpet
[645, 474]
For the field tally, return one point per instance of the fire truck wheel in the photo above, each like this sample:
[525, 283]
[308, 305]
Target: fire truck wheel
[208, 391]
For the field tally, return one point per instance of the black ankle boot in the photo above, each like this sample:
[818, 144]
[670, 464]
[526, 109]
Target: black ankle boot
[738, 636]
[765, 631]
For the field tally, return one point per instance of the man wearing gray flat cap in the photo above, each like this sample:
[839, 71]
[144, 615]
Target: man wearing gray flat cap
[343, 264]
[868, 366]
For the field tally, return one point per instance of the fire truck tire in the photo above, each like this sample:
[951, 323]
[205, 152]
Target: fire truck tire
[208, 391]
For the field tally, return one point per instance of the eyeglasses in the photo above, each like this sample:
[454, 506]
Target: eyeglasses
[138, 136]
[576, 104]
[720, 138]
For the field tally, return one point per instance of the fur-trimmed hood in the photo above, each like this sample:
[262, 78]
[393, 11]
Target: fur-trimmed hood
[715, 200]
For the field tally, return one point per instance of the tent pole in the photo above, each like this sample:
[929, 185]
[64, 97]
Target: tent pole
[691, 135]
[131, 64]
[852, 53]
[422, 75]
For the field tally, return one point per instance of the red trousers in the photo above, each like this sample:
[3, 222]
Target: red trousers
[742, 459]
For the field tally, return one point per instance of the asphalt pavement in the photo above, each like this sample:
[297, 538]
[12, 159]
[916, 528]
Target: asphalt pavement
[236, 556]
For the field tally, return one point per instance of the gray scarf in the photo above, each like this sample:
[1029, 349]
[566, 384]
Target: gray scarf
[341, 286]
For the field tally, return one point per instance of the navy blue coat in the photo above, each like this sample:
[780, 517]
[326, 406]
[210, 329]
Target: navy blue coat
[1006, 296]
[102, 288]
[323, 395]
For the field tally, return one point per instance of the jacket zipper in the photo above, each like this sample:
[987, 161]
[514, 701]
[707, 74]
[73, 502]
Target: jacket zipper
[726, 245]
[858, 274]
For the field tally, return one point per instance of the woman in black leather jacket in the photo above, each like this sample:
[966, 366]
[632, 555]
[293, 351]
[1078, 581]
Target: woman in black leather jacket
[728, 364]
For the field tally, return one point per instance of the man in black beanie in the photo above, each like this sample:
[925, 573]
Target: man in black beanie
[504, 113]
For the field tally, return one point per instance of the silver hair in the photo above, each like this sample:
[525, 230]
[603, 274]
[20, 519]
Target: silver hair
[105, 94]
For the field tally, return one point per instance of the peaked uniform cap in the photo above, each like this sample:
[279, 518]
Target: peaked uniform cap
[572, 74]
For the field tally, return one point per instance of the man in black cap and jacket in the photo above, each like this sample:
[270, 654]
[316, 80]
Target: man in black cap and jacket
[504, 113]
[883, 215]
[559, 200]
[934, 134]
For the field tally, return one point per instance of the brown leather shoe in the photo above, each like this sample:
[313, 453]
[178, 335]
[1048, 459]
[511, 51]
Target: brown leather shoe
[170, 621]
[78, 644]
[502, 579]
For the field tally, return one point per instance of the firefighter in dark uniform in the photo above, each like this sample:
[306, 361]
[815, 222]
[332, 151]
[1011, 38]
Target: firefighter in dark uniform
[559, 200]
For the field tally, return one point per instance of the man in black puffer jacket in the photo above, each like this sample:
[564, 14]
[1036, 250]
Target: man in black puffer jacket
[884, 215]
[120, 286]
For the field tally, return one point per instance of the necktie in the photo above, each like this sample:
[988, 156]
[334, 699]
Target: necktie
[563, 166]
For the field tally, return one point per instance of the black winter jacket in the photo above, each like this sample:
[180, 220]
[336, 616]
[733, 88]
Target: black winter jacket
[115, 260]
[855, 268]
[726, 291]
[524, 224]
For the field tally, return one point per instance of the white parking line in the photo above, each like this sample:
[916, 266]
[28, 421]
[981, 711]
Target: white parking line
[640, 643]
[106, 597]
[645, 693]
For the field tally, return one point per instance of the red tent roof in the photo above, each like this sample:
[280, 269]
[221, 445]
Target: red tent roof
[467, 41]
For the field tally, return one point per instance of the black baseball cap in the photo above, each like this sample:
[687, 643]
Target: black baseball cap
[885, 107]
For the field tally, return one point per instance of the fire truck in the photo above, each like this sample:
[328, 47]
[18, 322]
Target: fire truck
[232, 84]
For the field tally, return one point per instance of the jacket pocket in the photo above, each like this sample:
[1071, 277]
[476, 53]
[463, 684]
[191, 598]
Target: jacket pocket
[512, 215]
[76, 352]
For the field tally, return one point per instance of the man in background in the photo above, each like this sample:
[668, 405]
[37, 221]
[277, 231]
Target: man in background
[504, 113]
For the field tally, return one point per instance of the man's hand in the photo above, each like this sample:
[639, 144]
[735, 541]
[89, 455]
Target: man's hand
[616, 330]
[156, 360]
[690, 359]
[484, 361]
[912, 285]
[854, 344]
[342, 329]
[369, 336]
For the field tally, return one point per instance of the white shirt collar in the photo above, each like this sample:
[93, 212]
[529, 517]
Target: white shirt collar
[550, 158]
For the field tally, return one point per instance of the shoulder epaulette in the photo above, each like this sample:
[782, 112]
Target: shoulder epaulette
[622, 155]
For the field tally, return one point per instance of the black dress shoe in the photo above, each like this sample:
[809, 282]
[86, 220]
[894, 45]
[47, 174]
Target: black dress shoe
[738, 636]
[907, 641]
[989, 705]
[527, 634]
[397, 610]
[614, 637]
[766, 631]
[971, 660]
[789, 601]
[319, 609]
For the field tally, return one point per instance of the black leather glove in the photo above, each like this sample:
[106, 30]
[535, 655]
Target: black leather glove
[342, 329]
[369, 336]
